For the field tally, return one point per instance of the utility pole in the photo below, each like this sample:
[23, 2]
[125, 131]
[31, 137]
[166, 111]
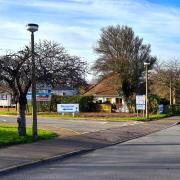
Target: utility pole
[147, 100]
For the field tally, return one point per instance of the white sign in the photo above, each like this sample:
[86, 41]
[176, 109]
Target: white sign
[67, 108]
[140, 99]
[140, 106]
[140, 102]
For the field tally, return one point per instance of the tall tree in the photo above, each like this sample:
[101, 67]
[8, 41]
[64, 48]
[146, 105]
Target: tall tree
[167, 76]
[123, 54]
[53, 66]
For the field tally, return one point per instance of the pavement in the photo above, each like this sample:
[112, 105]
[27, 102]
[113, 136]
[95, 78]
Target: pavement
[19, 156]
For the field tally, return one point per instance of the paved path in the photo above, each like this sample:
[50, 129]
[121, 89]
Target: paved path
[23, 155]
[152, 157]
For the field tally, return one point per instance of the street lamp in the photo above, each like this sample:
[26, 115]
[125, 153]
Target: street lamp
[33, 28]
[147, 112]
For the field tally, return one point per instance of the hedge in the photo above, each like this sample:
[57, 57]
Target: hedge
[86, 103]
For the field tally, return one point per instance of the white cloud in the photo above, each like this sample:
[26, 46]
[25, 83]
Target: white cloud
[76, 23]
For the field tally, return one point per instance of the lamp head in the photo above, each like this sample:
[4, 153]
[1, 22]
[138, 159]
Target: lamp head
[146, 63]
[32, 27]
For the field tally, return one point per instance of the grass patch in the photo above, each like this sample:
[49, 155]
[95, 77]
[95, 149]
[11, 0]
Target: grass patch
[6, 112]
[151, 117]
[9, 135]
[78, 117]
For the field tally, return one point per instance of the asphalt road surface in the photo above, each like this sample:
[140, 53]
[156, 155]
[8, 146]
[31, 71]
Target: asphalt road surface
[76, 126]
[153, 157]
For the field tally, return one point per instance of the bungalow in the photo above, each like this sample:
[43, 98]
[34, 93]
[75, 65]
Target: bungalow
[43, 93]
[5, 97]
[105, 91]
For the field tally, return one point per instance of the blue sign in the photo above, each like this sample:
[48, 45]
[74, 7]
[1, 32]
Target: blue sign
[160, 108]
[140, 106]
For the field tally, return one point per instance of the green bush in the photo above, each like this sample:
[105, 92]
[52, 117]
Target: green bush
[42, 106]
[153, 103]
[86, 103]
[173, 109]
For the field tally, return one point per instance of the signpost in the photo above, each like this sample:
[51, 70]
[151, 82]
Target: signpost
[140, 103]
[68, 108]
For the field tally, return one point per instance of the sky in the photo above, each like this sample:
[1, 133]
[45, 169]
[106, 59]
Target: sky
[76, 24]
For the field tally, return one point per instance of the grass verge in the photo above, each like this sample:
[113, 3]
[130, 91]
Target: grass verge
[58, 116]
[55, 115]
[9, 135]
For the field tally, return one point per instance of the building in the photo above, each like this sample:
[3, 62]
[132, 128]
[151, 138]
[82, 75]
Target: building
[44, 92]
[6, 99]
[105, 91]
[64, 91]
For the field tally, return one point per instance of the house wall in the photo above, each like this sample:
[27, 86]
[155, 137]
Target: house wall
[112, 100]
[122, 108]
[64, 92]
[5, 99]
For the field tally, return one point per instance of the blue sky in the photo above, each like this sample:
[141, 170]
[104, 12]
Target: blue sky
[76, 24]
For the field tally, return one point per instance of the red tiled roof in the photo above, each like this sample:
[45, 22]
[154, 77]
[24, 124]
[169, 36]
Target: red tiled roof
[106, 87]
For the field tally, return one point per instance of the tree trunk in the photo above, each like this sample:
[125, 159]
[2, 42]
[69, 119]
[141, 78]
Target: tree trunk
[22, 117]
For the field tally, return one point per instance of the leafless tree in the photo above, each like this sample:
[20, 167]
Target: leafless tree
[167, 75]
[53, 66]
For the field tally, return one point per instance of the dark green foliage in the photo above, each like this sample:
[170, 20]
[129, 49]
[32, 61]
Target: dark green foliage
[173, 109]
[153, 103]
[86, 103]
[43, 106]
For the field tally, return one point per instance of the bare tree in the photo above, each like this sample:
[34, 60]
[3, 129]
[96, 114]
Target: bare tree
[123, 54]
[167, 75]
[53, 66]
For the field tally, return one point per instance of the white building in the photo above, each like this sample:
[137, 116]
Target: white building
[64, 91]
[5, 97]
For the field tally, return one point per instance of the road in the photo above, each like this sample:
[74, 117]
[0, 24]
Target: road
[75, 126]
[153, 157]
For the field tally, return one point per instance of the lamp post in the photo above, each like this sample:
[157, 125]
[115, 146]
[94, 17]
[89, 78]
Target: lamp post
[147, 110]
[33, 28]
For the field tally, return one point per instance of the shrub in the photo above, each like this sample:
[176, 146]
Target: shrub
[86, 103]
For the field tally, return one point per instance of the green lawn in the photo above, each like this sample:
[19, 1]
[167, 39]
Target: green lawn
[78, 117]
[6, 112]
[9, 135]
